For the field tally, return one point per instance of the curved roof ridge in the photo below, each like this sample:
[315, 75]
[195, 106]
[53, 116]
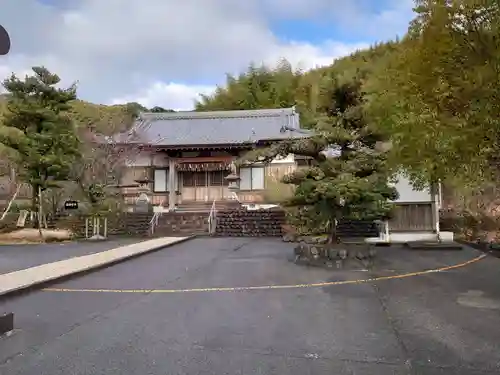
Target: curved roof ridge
[187, 115]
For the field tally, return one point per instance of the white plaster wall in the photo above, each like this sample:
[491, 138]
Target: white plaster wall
[286, 160]
[143, 159]
[404, 237]
[160, 160]
[408, 194]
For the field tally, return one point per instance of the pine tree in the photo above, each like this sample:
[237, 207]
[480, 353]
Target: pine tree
[40, 130]
[347, 177]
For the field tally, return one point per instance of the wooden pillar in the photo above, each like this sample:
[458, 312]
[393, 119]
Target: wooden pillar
[207, 185]
[172, 183]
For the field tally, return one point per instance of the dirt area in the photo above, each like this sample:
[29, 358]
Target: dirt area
[32, 235]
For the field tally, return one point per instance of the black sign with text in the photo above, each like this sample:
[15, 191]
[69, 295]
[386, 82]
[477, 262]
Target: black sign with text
[71, 205]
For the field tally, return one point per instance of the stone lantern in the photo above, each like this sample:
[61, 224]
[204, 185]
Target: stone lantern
[233, 179]
[143, 201]
[143, 184]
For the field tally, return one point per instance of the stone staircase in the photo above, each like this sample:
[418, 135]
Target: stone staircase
[190, 218]
[181, 224]
[201, 206]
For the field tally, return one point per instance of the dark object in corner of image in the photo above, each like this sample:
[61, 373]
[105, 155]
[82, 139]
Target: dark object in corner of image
[6, 323]
[4, 41]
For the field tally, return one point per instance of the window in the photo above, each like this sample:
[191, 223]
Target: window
[187, 179]
[194, 179]
[200, 179]
[160, 180]
[252, 178]
[218, 178]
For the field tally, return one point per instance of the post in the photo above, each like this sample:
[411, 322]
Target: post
[105, 227]
[40, 212]
[386, 231]
[435, 209]
[207, 185]
[87, 227]
[172, 183]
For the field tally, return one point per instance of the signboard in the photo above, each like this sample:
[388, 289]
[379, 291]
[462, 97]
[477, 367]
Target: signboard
[70, 205]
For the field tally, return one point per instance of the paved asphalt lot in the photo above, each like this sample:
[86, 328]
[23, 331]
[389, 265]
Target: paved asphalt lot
[18, 257]
[432, 324]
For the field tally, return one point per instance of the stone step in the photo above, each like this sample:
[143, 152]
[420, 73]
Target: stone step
[433, 245]
[196, 206]
[182, 223]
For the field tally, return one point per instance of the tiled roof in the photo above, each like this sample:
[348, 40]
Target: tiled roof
[218, 127]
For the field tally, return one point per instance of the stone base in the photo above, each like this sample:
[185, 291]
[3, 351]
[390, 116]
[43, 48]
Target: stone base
[428, 245]
[97, 237]
[339, 256]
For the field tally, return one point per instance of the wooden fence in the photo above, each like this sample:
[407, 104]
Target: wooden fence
[410, 217]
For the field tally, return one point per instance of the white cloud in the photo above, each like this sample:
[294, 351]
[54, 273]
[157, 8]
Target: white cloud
[162, 52]
[181, 97]
[174, 96]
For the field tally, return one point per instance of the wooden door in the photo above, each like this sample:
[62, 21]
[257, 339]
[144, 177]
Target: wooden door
[204, 186]
[188, 189]
[215, 181]
[201, 186]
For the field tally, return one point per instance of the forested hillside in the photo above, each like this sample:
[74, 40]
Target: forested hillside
[264, 87]
[100, 117]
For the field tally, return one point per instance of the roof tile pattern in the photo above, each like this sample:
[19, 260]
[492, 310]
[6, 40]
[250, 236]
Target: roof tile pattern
[218, 127]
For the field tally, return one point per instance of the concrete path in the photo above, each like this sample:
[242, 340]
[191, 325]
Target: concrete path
[18, 257]
[126, 319]
[26, 278]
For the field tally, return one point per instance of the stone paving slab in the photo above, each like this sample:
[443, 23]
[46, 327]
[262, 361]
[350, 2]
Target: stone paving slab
[18, 257]
[23, 279]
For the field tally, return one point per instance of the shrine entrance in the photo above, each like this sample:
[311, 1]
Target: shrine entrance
[203, 181]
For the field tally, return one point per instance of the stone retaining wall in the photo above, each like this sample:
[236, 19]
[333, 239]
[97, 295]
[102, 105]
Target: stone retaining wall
[339, 255]
[126, 224]
[243, 223]
[182, 224]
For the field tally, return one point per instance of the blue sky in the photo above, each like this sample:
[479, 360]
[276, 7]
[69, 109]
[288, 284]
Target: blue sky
[312, 31]
[332, 22]
[315, 31]
[166, 52]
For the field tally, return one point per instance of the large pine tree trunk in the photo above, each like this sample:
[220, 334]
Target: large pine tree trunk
[34, 204]
[40, 213]
[36, 207]
[332, 237]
